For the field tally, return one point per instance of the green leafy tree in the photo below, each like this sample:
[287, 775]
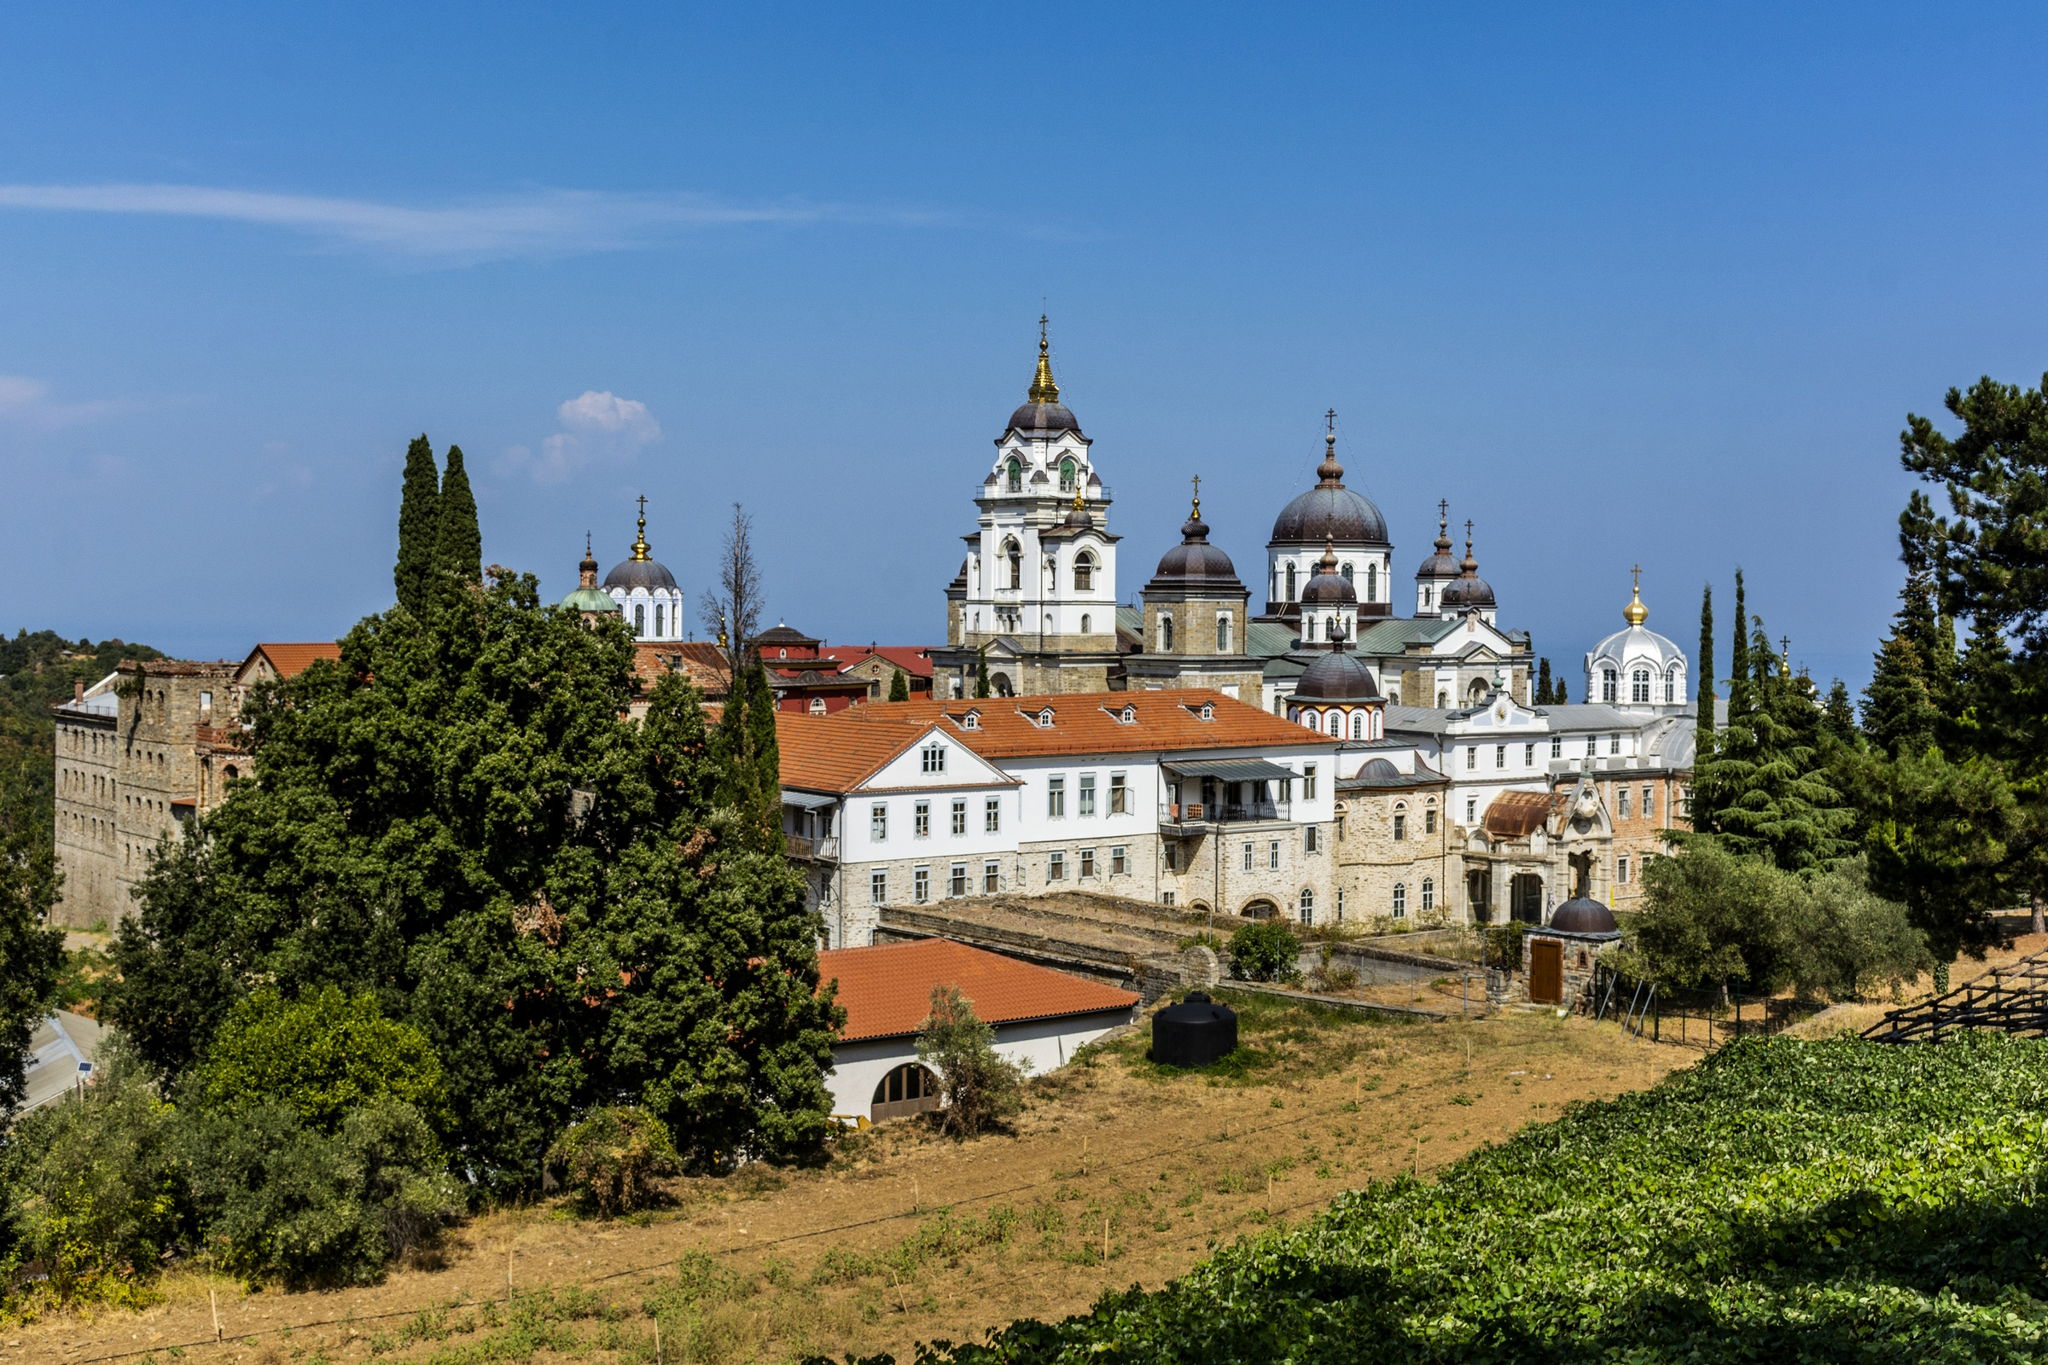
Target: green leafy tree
[1264, 950]
[1941, 837]
[1846, 941]
[458, 542]
[899, 687]
[322, 1056]
[978, 1087]
[31, 953]
[419, 524]
[613, 1157]
[1711, 916]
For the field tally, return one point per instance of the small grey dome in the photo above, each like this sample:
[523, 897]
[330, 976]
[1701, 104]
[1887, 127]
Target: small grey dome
[1379, 770]
[1580, 915]
[1195, 563]
[1338, 677]
[1043, 417]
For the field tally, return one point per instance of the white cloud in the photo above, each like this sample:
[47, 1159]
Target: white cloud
[26, 402]
[541, 222]
[597, 425]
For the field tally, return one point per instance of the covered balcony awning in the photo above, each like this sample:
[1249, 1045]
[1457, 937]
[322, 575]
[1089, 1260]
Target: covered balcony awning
[1231, 769]
[807, 800]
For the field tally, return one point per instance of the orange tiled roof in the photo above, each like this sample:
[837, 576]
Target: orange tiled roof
[292, 659]
[914, 660]
[825, 753]
[887, 989]
[1513, 815]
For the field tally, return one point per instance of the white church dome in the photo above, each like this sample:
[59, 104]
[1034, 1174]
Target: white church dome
[1637, 667]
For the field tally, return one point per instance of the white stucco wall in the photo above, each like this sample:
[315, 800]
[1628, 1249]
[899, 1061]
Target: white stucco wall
[1039, 1046]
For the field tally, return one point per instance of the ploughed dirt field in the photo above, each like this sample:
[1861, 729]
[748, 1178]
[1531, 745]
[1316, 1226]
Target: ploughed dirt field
[1118, 1173]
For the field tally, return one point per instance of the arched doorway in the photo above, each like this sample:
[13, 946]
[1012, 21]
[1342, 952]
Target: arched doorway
[908, 1089]
[1000, 684]
[1260, 909]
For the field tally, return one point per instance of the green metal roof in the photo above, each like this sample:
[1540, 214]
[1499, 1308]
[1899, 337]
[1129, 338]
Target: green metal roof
[590, 599]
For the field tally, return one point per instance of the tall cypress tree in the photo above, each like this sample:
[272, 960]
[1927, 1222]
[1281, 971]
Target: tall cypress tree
[1738, 658]
[1704, 680]
[981, 688]
[1543, 682]
[899, 687]
[458, 543]
[418, 527]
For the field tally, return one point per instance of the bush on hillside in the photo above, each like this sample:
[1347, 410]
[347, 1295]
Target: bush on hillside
[1265, 950]
[612, 1158]
[978, 1087]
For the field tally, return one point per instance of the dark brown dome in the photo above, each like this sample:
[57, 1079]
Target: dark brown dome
[1195, 563]
[1580, 915]
[1337, 677]
[1330, 511]
[1043, 417]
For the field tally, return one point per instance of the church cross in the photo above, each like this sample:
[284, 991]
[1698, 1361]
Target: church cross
[1638, 572]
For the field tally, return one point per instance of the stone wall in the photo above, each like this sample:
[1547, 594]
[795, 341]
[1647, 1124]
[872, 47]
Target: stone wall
[87, 822]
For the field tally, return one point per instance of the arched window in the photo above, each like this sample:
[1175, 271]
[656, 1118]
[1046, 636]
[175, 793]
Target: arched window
[639, 619]
[1400, 821]
[1639, 685]
[1087, 623]
[1165, 633]
[1336, 723]
[1609, 684]
[1084, 572]
[1223, 633]
[1279, 706]
[1372, 582]
[1290, 583]
[1311, 627]
[1428, 598]
[1308, 906]
[907, 1089]
[1671, 687]
[1347, 573]
[657, 620]
[1014, 476]
[1014, 553]
[1358, 725]
[1400, 900]
[1428, 894]
[1066, 476]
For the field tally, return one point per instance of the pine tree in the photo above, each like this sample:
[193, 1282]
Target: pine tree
[458, 544]
[1838, 714]
[1902, 706]
[418, 528]
[746, 754]
[899, 687]
[1774, 798]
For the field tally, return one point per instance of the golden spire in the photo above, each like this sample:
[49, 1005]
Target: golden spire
[1196, 515]
[640, 540]
[1043, 390]
[1080, 503]
[1636, 613]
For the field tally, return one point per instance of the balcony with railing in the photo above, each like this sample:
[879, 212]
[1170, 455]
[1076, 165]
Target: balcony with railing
[805, 849]
[1192, 816]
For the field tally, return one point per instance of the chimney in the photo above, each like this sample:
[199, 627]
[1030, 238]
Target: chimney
[78, 689]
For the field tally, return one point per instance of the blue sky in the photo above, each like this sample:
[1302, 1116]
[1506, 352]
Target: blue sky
[1625, 283]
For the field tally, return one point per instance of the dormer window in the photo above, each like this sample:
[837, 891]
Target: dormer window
[1129, 715]
[970, 720]
[1044, 719]
[1208, 711]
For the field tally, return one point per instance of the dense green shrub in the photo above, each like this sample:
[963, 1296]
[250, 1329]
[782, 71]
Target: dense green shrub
[978, 1087]
[98, 1193]
[612, 1158]
[1264, 950]
[282, 1199]
[323, 1056]
[1786, 1200]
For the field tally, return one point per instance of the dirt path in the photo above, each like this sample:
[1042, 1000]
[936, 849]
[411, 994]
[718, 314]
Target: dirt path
[911, 1238]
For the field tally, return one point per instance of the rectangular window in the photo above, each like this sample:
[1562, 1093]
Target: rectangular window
[1621, 869]
[1500, 755]
[1557, 746]
[1087, 794]
[1400, 826]
[1592, 745]
[1621, 803]
[878, 822]
[1471, 757]
[1056, 867]
[960, 815]
[1247, 857]
[1119, 860]
[1471, 809]
[1056, 797]
[1400, 900]
[921, 884]
[1428, 895]
[1087, 862]
[992, 815]
[1311, 839]
[1166, 898]
[1169, 857]
[1119, 795]
[921, 820]
[1614, 744]
[934, 758]
[1340, 902]
[1649, 803]
[956, 880]
[1429, 820]
[1528, 755]
[991, 877]
[878, 888]
[1273, 853]
[1308, 781]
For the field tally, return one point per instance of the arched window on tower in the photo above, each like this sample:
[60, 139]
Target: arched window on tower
[1084, 572]
[1639, 685]
[1671, 687]
[1347, 573]
[1311, 628]
[1372, 582]
[1428, 598]
[1014, 476]
[1015, 555]
[1290, 584]
[1609, 685]
[1165, 633]
[1336, 725]
[1087, 623]
[1358, 725]
[1066, 476]
[639, 619]
[1223, 633]
[657, 620]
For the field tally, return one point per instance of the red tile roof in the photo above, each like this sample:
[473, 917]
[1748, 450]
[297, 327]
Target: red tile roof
[291, 659]
[887, 989]
[825, 753]
[914, 660]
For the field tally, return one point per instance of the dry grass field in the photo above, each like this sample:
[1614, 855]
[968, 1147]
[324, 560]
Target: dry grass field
[1120, 1172]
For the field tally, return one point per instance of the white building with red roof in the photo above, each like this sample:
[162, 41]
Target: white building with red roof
[1040, 1018]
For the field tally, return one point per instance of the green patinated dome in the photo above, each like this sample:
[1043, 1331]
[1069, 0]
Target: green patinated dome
[590, 599]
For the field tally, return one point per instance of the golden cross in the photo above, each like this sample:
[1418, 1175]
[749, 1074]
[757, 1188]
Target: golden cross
[1638, 572]
[1198, 495]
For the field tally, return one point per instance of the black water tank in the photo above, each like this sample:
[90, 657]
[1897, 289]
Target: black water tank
[1195, 1032]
